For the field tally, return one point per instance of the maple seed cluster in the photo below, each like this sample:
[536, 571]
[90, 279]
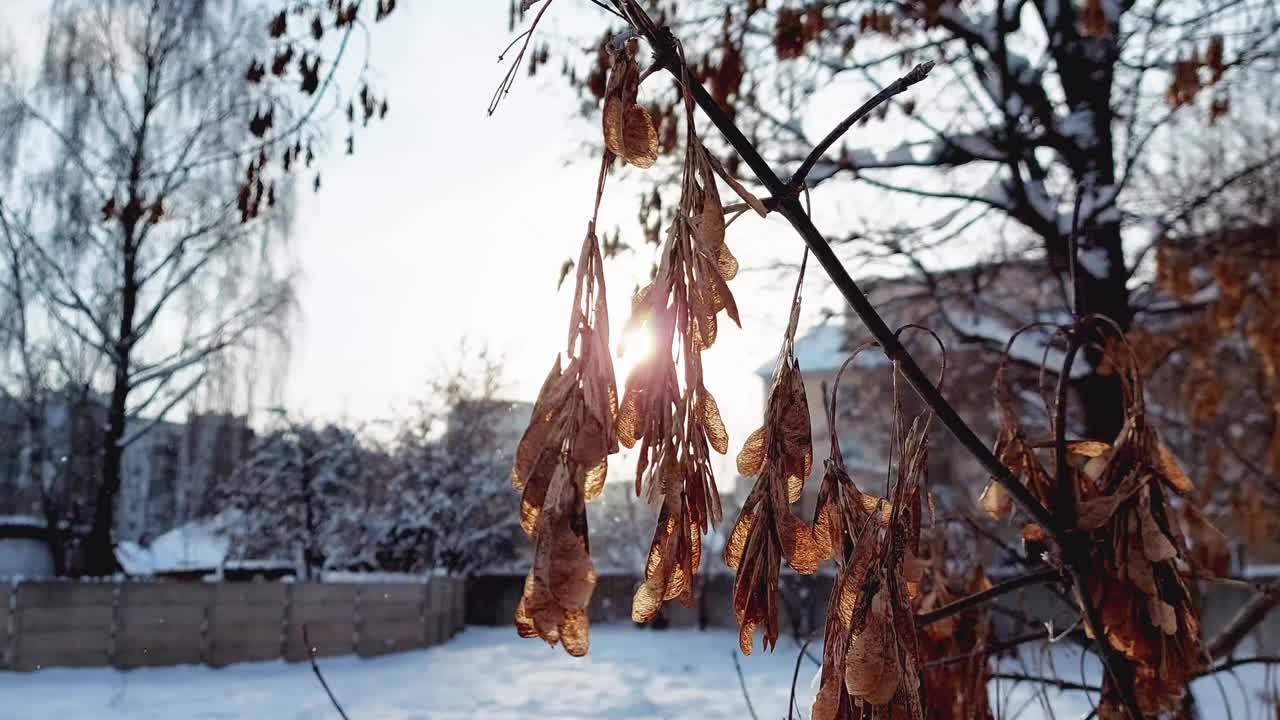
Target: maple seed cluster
[873, 653]
[779, 455]
[666, 410]
[1143, 576]
[561, 465]
[265, 75]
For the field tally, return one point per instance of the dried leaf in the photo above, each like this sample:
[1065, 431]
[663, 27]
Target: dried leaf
[996, 501]
[714, 424]
[871, 667]
[1096, 512]
[1172, 471]
[751, 457]
[1155, 544]
[629, 133]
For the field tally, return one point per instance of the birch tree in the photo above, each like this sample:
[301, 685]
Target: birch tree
[140, 196]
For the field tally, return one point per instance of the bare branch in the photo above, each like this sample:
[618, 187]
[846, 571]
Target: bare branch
[918, 73]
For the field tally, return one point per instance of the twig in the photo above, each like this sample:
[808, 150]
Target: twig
[994, 649]
[1244, 621]
[918, 73]
[795, 676]
[743, 682]
[315, 668]
[1060, 684]
[1231, 664]
[1064, 487]
[995, 591]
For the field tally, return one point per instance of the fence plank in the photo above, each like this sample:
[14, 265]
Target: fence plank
[36, 618]
[132, 616]
[328, 638]
[65, 594]
[136, 624]
[324, 594]
[237, 614]
[381, 638]
[73, 648]
[140, 594]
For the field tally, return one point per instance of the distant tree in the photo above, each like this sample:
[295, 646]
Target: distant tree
[137, 194]
[449, 502]
[306, 492]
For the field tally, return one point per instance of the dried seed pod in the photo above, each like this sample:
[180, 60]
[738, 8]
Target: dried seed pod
[779, 455]
[666, 409]
[560, 464]
[628, 130]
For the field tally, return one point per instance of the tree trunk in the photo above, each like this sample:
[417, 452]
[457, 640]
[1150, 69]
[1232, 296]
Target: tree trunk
[1101, 397]
[1087, 71]
[99, 551]
[100, 558]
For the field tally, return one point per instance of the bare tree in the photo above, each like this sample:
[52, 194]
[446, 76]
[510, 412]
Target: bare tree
[139, 200]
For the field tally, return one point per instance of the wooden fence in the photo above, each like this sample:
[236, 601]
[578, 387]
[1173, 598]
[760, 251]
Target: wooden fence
[137, 624]
[492, 598]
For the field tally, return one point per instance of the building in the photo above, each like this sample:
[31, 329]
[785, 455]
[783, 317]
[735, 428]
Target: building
[165, 471]
[973, 311]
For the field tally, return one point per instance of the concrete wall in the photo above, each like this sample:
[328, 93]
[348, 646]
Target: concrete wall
[137, 624]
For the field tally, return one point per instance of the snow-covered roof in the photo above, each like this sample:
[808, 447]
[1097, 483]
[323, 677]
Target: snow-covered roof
[824, 347]
[22, 521]
[194, 546]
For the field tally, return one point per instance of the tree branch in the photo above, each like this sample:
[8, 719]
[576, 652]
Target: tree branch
[918, 73]
[1060, 684]
[1244, 621]
[315, 668]
[991, 593]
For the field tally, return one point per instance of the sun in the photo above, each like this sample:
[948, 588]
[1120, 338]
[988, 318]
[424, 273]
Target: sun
[635, 347]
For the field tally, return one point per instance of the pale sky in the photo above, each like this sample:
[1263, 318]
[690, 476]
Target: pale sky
[448, 223]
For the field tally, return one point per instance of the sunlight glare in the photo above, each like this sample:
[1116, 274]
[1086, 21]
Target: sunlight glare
[635, 347]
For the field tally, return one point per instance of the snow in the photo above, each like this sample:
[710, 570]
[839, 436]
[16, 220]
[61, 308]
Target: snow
[483, 673]
[826, 347]
[194, 546]
[1095, 262]
[1078, 128]
[1261, 572]
[25, 558]
[23, 521]
[490, 673]
[1029, 347]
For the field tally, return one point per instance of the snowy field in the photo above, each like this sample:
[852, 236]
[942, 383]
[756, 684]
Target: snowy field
[490, 673]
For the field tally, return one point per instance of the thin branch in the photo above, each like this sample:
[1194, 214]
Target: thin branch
[178, 397]
[994, 649]
[1244, 621]
[751, 710]
[795, 676]
[1064, 487]
[1060, 684]
[315, 668]
[1232, 664]
[918, 73]
[991, 593]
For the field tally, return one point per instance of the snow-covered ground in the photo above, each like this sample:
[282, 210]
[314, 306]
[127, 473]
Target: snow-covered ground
[490, 673]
